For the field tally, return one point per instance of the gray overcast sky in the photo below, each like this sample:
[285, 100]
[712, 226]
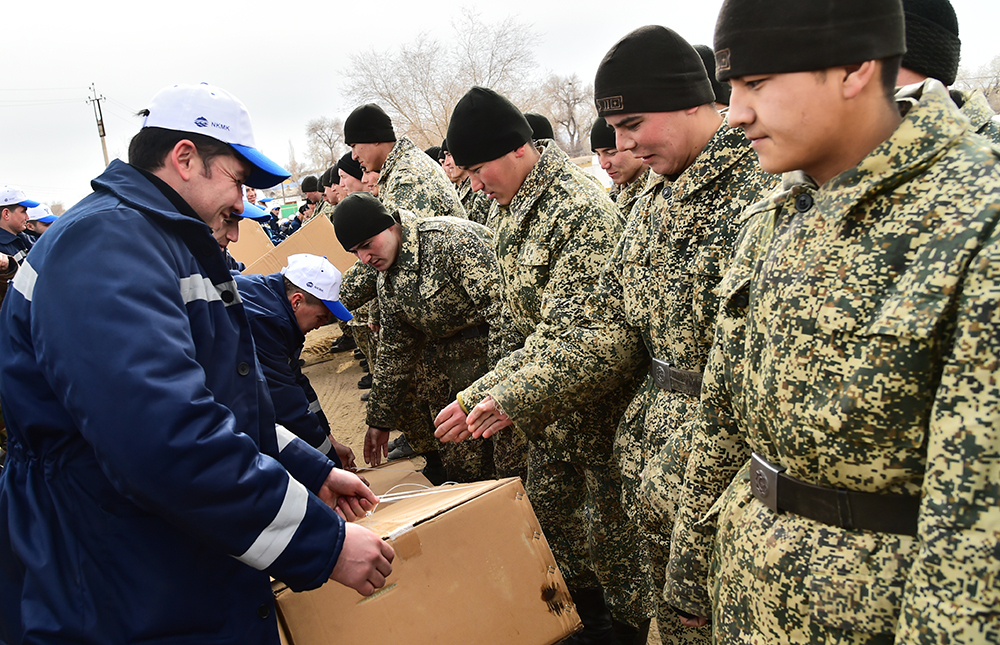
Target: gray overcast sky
[284, 61]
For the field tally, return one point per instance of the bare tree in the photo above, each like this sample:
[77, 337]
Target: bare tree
[57, 208]
[569, 104]
[326, 141]
[419, 84]
[986, 78]
[293, 166]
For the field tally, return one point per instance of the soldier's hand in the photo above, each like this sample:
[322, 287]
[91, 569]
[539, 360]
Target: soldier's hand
[451, 425]
[365, 560]
[487, 419]
[376, 446]
[345, 493]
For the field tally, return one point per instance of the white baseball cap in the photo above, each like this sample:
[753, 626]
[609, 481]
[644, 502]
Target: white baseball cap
[41, 213]
[315, 275]
[12, 195]
[212, 111]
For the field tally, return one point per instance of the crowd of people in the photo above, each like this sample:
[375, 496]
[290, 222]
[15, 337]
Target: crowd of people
[751, 390]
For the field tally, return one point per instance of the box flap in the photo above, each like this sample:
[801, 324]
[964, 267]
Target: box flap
[316, 236]
[391, 519]
[396, 476]
[252, 244]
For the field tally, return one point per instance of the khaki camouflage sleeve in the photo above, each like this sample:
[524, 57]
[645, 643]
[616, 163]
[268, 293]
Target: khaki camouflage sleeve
[358, 286]
[952, 594]
[399, 349]
[718, 448]
[575, 352]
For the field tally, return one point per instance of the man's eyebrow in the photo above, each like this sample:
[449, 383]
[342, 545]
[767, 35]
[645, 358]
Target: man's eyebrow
[629, 120]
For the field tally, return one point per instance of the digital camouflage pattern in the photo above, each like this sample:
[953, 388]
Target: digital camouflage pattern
[984, 120]
[325, 209]
[410, 181]
[445, 280]
[856, 345]
[626, 196]
[663, 280]
[476, 204]
[552, 242]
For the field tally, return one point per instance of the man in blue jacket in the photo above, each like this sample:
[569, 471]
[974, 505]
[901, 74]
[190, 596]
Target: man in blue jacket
[283, 308]
[13, 222]
[147, 494]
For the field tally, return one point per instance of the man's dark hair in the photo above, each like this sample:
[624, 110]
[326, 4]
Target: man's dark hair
[149, 148]
[291, 288]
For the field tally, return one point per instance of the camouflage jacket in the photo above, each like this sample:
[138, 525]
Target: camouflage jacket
[410, 181]
[626, 196]
[476, 204]
[325, 210]
[445, 280]
[552, 242]
[856, 345]
[666, 271]
[984, 120]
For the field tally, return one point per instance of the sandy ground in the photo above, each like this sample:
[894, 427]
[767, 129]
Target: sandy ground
[335, 378]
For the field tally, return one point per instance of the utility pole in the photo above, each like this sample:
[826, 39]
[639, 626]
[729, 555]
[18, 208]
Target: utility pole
[96, 100]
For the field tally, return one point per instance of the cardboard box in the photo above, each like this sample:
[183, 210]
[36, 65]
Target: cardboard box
[316, 236]
[253, 243]
[471, 567]
[397, 476]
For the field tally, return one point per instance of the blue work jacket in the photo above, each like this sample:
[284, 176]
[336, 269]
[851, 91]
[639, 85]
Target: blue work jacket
[147, 494]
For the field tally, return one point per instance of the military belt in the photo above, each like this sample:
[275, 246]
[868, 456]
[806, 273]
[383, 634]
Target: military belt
[885, 513]
[470, 332]
[672, 379]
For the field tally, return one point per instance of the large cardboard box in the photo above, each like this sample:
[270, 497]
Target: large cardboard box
[253, 243]
[317, 236]
[472, 567]
[397, 476]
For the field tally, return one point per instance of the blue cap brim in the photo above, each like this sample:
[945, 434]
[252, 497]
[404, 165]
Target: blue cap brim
[338, 310]
[265, 173]
[253, 212]
[28, 203]
[48, 219]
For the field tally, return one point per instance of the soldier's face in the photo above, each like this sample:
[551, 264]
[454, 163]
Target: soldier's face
[498, 179]
[454, 173]
[368, 155]
[380, 251]
[664, 141]
[622, 167]
[348, 184]
[791, 121]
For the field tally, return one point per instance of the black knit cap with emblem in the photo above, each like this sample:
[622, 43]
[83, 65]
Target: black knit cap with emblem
[485, 126]
[368, 124]
[932, 44]
[785, 36]
[358, 217]
[652, 69]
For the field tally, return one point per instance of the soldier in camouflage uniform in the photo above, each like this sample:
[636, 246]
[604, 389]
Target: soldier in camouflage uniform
[441, 311]
[555, 230]
[933, 50]
[668, 265]
[626, 170]
[855, 353]
[477, 206]
[408, 180]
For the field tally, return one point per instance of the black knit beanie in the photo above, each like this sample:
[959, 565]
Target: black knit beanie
[349, 165]
[368, 124]
[652, 69]
[310, 184]
[602, 135]
[541, 127]
[784, 36]
[330, 178]
[358, 217]
[444, 146]
[485, 126]
[434, 152]
[932, 45]
[722, 90]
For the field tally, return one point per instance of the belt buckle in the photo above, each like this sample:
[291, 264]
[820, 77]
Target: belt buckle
[764, 481]
[661, 374]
